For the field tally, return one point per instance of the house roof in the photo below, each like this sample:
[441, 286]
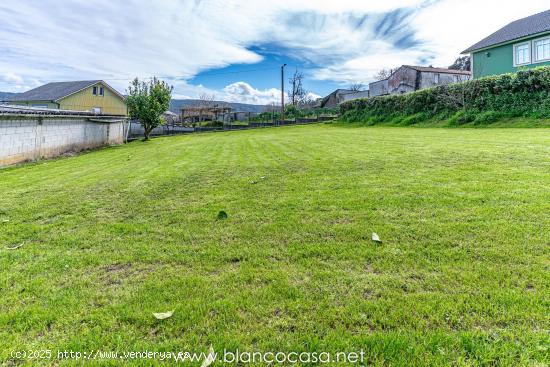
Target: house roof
[429, 69]
[57, 91]
[321, 102]
[520, 28]
[6, 109]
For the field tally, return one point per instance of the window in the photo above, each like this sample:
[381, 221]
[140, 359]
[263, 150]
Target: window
[94, 91]
[522, 54]
[101, 91]
[436, 79]
[542, 49]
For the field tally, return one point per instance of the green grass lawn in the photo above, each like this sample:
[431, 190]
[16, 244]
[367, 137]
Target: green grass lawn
[111, 236]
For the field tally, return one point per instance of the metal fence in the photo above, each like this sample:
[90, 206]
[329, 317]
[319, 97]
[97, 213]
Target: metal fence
[136, 130]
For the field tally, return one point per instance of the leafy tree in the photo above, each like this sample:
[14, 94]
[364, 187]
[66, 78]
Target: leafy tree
[292, 111]
[461, 63]
[147, 101]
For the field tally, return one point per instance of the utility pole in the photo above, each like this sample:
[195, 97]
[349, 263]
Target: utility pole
[283, 92]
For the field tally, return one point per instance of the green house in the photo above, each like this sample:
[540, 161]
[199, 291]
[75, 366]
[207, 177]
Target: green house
[524, 43]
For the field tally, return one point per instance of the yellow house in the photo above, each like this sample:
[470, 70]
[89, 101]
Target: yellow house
[90, 95]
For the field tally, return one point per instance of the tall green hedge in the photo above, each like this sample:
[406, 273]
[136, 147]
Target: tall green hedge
[525, 93]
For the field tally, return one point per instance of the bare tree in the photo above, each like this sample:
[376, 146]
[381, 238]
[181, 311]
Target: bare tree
[357, 87]
[199, 107]
[297, 93]
[383, 74]
[205, 100]
[308, 101]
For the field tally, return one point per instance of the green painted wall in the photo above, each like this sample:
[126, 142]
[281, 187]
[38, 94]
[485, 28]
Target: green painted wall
[500, 60]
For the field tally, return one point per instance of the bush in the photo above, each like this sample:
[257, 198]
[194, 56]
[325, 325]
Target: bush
[414, 119]
[461, 117]
[488, 117]
[525, 93]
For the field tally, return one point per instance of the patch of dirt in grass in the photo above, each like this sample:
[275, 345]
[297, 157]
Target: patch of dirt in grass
[341, 221]
[231, 266]
[370, 270]
[116, 274]
[371, 294]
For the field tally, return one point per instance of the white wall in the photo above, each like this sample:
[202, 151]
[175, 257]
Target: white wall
[355, 95]
[30, 137]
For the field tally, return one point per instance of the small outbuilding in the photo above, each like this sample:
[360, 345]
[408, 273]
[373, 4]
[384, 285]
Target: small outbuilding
[340, 96]
[195, 114]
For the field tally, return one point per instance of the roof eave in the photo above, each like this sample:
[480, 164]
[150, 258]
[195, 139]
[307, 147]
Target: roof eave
[31, 100]
[471, 49]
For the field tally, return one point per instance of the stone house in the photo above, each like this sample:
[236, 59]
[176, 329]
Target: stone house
[410, 78]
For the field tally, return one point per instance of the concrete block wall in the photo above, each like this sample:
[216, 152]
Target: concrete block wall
[137, 130]
[31, 137]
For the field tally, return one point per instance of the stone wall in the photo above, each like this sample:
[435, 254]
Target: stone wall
[428, 80]
[403, 80]
[31, 137]
[378, 88]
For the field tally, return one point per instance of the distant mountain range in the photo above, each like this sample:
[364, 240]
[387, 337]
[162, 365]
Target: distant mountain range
[6, 95]
[177, 104]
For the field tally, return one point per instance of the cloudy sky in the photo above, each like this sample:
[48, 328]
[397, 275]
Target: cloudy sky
[234, 48]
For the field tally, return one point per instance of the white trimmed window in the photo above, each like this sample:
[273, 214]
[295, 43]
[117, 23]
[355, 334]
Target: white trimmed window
[542, 49]
[522, 54]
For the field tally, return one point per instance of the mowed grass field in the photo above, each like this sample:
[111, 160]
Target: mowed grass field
[109, 237]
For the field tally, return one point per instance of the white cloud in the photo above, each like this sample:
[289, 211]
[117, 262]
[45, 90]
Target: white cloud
[49, 40]
[18, 83]
[312, 96]
[245, 93]
[11, 78]
[361, 69]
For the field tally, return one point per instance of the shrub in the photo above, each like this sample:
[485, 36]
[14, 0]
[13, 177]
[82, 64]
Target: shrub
[414, 119]
[461, 117]
[487, 117]
[525, 93]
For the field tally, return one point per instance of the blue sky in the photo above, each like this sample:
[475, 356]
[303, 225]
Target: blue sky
[232, 49]
[266, 74]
